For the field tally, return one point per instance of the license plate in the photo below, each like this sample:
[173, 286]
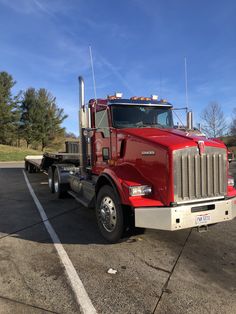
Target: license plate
[203, 219]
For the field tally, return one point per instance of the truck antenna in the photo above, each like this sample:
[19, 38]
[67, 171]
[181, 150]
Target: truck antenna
[94, 82]
[94, 86]
[186, 82]
[160, 85]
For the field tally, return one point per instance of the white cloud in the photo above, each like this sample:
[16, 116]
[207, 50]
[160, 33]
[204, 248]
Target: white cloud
[37, 6]
[21, 6]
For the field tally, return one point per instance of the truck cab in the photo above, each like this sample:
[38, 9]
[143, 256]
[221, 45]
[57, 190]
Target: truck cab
[115, 117]
[136, 168]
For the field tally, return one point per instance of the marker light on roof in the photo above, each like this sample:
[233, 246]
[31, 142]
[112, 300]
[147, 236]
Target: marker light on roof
[145, 98]
[118, 95]
[140, 98]
[154, 97]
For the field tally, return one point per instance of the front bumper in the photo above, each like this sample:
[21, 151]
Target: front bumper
[185, 216]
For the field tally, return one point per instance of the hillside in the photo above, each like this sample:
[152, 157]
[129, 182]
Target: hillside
[11, 153]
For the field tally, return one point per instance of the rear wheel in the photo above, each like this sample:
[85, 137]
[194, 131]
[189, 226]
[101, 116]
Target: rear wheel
[51, 179]
[31, 168]
[59, 188]
[109, 214]
[26, 165]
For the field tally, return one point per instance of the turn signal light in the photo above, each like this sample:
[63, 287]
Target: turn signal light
[230, 181]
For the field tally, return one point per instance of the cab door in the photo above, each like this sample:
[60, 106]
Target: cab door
[102, 140]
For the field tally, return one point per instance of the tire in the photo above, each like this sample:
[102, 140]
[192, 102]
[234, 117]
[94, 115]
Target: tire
[109, 214]
[51, 179]
[59, 188]
[31, 168]
[129, 219]
[26, 165]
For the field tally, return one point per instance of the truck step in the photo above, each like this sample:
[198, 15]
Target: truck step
[81, 199]
[89, 186]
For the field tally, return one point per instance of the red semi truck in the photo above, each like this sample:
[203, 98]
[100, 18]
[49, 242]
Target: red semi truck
[133, 165]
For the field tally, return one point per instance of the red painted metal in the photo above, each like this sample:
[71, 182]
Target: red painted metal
[128, 166]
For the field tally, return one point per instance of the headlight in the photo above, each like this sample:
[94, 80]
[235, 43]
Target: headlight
[230, 181]
[140, 190]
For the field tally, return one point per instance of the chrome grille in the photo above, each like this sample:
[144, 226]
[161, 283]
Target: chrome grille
[199, 176]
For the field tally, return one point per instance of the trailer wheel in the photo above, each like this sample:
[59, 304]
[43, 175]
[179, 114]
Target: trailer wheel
[109, 214]
[51, 179]
[59, 188]
[31, 168]
[26, 165]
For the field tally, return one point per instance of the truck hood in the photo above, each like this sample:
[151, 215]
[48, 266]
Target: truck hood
[170, 138]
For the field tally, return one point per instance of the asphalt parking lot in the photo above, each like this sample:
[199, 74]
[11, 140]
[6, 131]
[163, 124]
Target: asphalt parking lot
[157, 272]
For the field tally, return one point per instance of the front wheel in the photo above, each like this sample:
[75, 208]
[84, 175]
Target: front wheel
[109, 214]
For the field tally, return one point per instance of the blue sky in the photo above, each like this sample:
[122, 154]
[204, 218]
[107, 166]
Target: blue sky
[136, 45]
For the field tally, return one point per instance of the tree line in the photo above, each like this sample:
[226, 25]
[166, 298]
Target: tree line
[214, 123]
[31, 116]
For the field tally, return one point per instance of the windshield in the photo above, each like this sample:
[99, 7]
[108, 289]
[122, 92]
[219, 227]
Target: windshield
[125, 116]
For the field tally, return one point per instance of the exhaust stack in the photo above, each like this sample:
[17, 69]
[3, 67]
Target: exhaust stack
[189, 120]
[82, 126]
[81, 92]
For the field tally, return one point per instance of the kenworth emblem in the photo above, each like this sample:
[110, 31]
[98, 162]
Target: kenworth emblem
[148, 153]
[201, 147]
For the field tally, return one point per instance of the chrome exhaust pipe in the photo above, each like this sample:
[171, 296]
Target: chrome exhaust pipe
[189, 120]
[82, 126]
[81, 93]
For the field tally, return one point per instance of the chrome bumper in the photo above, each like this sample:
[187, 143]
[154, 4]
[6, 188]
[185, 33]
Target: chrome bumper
[185, 216]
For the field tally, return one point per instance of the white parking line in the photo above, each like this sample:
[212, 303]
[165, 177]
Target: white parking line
[77, 286]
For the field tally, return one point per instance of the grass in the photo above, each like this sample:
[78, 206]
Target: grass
[11, 153]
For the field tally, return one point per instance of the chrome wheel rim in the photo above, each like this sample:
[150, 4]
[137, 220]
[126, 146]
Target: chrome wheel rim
[50, 182]
[56, 185]
[107, 214]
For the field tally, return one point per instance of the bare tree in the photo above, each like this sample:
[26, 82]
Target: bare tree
[213, 120]
[233, 124]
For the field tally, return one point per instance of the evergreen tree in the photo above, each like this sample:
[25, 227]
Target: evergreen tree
[41, 118]
[28, 115]
[9, 113]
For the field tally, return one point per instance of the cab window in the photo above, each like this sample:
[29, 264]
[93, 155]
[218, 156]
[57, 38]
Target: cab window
[101, 122]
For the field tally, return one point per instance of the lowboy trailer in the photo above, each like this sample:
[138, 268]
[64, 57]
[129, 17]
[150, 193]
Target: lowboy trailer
[135, 167]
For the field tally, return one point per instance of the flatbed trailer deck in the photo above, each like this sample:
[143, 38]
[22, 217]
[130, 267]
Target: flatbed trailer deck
[47, 159]
[43, 162]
